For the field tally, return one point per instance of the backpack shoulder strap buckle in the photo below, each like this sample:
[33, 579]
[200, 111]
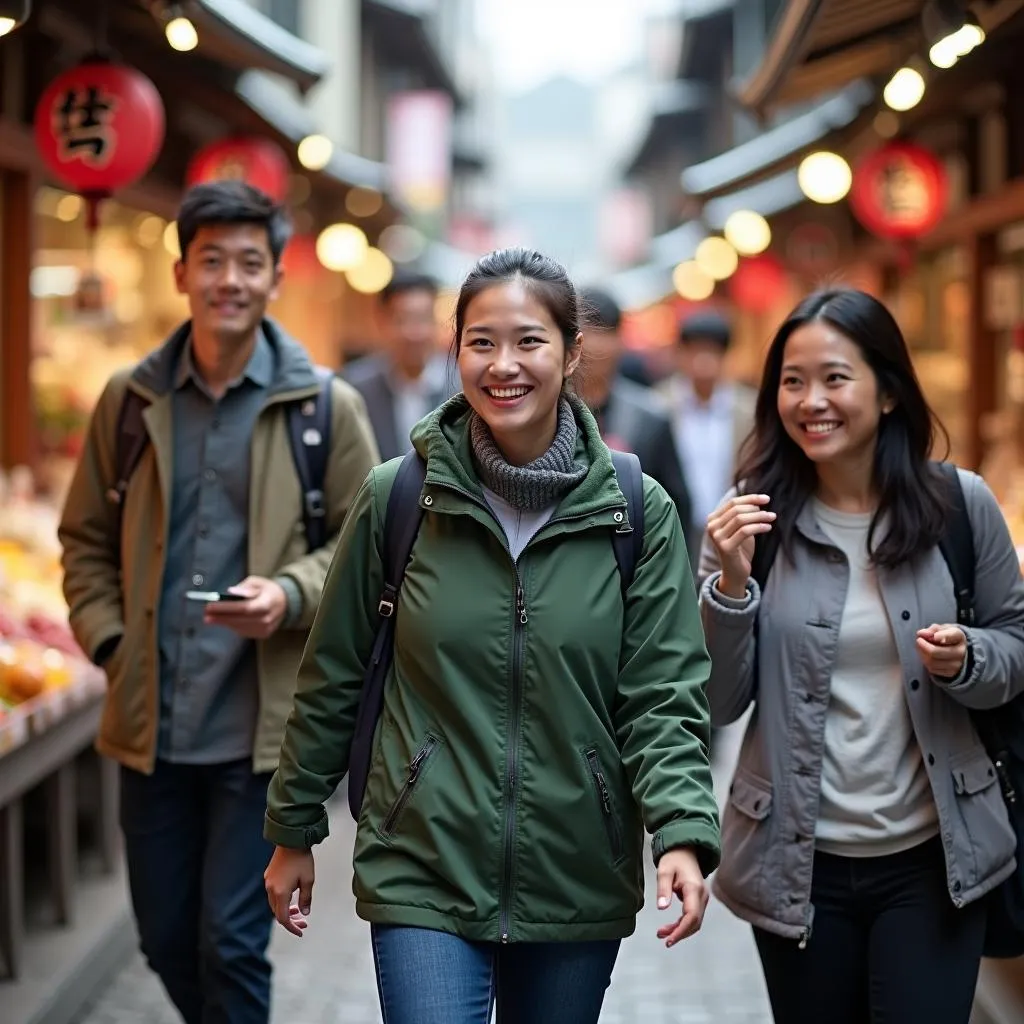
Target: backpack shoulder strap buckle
[315, 507]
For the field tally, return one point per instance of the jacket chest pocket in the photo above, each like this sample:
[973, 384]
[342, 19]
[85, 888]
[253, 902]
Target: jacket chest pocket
[417, 766]
[604, 799]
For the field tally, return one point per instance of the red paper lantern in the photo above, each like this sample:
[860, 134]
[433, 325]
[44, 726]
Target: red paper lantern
[757, 284]
[899, 191]
[99, 127]
[258, 162]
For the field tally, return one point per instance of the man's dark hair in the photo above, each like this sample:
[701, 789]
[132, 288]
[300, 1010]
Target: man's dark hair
[232, 202]
[408, 281]
[706, 325]
[599, 310]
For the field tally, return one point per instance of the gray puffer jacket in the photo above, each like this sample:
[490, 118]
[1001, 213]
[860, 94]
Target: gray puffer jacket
[769, 824]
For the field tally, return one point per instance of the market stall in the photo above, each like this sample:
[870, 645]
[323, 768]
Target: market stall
[50, 699]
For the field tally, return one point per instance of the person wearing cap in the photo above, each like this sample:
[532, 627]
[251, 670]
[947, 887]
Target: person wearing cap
[631, 417]
[711, 415]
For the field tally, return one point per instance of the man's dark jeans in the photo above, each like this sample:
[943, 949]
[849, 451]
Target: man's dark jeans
[888, 946]
[196, 855]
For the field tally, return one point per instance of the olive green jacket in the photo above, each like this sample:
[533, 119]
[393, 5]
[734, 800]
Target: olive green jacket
[534, 722]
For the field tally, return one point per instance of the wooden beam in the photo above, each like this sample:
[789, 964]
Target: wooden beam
[17, 414]
[983, 369]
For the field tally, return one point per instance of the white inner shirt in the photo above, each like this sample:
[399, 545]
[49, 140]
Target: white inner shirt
[704, 435]
[876, 799]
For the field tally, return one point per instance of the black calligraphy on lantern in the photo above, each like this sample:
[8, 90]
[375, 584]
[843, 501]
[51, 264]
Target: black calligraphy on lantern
[903, 192]
[82, 125]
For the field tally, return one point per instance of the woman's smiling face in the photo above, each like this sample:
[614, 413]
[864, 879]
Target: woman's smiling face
[513, 362]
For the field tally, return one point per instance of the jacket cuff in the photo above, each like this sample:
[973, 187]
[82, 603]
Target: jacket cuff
[105, 644]
[729, 608]
[968, 674]
[703, 839]
[295, 602]
[295, 837]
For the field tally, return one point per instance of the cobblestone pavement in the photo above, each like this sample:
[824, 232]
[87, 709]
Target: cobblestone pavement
[327, 977]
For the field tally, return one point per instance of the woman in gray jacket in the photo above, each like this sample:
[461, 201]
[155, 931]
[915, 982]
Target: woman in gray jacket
[865, 823]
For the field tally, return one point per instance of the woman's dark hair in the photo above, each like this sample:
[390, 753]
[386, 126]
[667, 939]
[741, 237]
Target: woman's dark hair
[545, 279]
[910, 492]
[232, 202]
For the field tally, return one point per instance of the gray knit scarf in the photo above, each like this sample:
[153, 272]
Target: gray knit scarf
[539, 483]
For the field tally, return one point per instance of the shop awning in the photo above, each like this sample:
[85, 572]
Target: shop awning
[778, 147]
[674, 106]
[289, 118]
[769, 197]
[400, 29]
[242, 36]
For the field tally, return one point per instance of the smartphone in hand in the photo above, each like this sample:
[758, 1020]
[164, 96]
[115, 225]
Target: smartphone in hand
[210, 596]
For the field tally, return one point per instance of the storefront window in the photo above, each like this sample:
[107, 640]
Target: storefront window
[932, 303]
[97, 306]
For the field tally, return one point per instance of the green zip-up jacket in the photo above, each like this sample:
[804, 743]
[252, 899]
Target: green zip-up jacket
[534, 722]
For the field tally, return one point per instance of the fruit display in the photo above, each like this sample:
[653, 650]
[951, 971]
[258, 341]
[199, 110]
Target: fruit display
[43, 672]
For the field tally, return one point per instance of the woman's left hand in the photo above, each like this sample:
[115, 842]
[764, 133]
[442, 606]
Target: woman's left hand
[679, 873]
[943, 649]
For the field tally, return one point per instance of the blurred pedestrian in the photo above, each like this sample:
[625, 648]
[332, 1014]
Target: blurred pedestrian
[187, 484]
[536, 718]
[408, 379]
[865, 821]
[711, 414]
[630, 417]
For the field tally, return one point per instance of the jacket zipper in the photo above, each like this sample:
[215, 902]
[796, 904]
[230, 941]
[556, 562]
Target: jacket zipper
[512, 764]
[805, 935]
[415, 767]
[604, 796]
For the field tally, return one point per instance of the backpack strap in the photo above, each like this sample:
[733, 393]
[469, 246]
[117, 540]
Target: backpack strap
[957, 544]
[629, 544]
[309, 431]
[129, 444]
[401, 525]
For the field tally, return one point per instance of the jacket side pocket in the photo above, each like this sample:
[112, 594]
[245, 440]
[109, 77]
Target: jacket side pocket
[605, 800]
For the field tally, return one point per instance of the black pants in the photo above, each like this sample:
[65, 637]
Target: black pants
[196, 854]
[887, 946]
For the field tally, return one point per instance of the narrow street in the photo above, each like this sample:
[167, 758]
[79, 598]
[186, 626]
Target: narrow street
[327, 977]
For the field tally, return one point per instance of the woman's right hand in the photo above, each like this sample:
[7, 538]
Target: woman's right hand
[287, 871]
[733, 528]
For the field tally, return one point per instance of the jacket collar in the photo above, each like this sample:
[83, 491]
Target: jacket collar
[290, 367]
[442, 438]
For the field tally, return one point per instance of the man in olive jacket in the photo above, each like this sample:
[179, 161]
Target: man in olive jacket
[199, 691]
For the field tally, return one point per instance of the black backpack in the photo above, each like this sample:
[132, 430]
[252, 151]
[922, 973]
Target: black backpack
[309, 431]
[401, 525]
[1001, 729]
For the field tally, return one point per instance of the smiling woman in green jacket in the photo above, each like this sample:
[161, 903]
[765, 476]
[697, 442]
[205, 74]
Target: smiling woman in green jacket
[535, 719]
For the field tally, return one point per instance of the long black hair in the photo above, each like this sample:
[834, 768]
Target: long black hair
[911, 496]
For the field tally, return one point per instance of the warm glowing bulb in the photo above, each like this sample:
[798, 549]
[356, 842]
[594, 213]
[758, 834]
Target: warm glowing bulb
[171, 240]
[7, 25]
[181, 34]
[372, 274]
[341, 247]
[904, 90]
[315, 152]
[68, 208]
[748, 232]
[691, 282]
[717, 258]
[824, 177]
[968, 38]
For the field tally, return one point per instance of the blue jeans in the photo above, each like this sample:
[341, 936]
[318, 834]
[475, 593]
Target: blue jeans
[196, 855]
[431, 977]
